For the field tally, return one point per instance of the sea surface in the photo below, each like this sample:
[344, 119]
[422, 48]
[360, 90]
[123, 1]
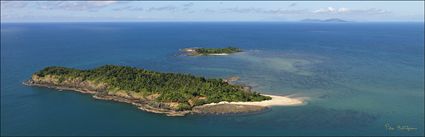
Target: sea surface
[358, 78]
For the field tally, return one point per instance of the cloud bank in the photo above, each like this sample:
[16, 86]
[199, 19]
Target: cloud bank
[138, 10]
[332, 10]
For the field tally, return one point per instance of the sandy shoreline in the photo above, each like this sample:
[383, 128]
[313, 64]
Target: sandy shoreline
[275, 101]
[247, 107]
[218, 54]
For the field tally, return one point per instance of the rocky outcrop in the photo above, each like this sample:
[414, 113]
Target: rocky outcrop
[77, 83]
[100, 91]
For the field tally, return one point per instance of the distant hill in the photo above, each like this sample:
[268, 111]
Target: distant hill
[325, 20]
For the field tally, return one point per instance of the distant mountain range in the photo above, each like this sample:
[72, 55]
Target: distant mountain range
[325, 20]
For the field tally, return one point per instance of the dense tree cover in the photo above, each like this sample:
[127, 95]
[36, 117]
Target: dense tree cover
[217, 50]
[172, 87]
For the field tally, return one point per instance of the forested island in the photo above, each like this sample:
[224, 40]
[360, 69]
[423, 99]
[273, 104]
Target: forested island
[169, 93]
[211, 51]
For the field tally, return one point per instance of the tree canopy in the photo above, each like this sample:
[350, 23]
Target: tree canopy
[217, 50]
[172, 87]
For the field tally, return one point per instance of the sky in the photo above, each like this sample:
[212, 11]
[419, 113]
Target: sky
[175, 11]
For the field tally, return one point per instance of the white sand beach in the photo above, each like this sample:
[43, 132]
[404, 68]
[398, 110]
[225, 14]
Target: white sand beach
[219, 54]
[275, 101]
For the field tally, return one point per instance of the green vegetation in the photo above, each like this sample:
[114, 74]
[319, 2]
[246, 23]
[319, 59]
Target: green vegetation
[217, 50]
[227, 50]
[187, 90]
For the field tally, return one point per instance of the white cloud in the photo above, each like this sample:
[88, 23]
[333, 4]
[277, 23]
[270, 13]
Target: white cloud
[278, 11]
[54, 5]
[332, 10]
[75, 5]
[186, 7]
[13, 4]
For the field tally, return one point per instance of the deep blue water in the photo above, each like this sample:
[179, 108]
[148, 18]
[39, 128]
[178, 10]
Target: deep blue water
[356, 77]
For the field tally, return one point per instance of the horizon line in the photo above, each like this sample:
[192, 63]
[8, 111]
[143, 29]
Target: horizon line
[298, 21]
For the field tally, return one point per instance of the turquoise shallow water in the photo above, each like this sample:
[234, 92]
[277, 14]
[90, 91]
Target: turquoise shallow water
[356, 77]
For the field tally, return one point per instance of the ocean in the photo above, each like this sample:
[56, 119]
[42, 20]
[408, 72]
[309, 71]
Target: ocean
[357, 78]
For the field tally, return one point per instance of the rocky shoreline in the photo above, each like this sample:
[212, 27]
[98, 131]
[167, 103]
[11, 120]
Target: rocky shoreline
[155, 107]
[141, 104]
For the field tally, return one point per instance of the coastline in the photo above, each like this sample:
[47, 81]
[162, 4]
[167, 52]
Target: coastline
[223, 107]
[193, 52]
[140, 104]
[275, 101]
[218, 54]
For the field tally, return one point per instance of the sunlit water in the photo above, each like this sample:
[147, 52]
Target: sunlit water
[356, 77]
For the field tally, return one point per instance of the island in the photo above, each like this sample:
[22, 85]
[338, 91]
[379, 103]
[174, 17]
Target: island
[173, 94]
[211, 51]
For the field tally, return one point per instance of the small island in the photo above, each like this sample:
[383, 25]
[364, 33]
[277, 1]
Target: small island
[211, 51]
[173, 94]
